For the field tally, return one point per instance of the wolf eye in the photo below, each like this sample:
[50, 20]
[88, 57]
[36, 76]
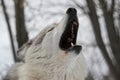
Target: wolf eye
[51, 29]
[40, 57]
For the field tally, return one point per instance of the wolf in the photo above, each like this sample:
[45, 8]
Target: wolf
[53, 54]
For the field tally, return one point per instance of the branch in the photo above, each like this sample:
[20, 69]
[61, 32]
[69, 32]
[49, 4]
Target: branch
[9, 29]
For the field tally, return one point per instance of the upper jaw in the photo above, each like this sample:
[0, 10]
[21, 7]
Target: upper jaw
[69, 35]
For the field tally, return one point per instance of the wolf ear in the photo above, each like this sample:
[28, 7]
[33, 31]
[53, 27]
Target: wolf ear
[22, 51]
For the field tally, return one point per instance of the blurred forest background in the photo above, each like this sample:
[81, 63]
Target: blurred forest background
[99, 31]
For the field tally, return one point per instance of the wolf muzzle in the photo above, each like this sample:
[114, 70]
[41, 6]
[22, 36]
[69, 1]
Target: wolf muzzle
[69, 36]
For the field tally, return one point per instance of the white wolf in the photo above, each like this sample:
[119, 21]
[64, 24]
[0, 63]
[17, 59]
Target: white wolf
[53, 54]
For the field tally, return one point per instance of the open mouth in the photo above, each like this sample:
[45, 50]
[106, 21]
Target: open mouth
[69, 36]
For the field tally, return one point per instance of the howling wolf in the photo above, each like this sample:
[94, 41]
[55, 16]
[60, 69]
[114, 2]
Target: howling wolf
[52, 54]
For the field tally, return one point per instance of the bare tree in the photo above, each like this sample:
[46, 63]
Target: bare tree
[113, 38]
[9, 29]
[22, 35]
[113, 33]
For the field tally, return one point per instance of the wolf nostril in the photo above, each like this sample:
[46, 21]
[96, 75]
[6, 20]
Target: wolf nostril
[71, 11]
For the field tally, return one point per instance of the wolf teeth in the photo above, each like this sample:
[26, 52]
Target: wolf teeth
[72, 44]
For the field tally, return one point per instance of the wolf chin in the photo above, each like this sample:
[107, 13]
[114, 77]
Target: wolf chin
[52, 54]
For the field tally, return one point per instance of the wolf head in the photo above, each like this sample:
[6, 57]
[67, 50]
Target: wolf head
[57, 41]
[53, 53]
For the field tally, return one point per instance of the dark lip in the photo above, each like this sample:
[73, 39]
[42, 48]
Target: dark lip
[69, 35]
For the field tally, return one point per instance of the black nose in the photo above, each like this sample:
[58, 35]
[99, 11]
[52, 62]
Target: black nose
[71, 11]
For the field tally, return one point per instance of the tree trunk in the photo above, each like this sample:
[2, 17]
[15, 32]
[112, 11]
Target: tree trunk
[22, 35]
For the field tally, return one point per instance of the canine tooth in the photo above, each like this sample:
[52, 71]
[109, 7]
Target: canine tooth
[72, 44]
